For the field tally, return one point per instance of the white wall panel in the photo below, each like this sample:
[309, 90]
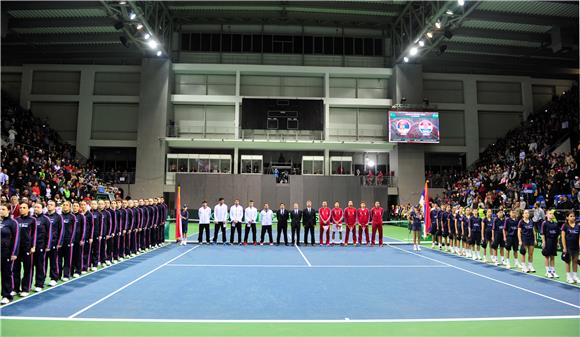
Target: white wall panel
[61, 116]
[55, 82]
[117, 83]
[114, 121]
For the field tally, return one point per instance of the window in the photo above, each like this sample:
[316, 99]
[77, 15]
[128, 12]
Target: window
[247, 44]
[205, 42]
[252, 164]
[312, 165]
[185, 42]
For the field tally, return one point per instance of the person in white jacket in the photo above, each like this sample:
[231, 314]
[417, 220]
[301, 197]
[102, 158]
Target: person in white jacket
[236, 216]
[220, 218]
[266, 216]
[204, 214]
[250, 216]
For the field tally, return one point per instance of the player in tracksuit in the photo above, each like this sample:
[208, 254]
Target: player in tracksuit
[69, 222]
[440, 225]
[325, 215]
[350, 219]
[142, 225]
[363, 217]
[107, 227]
[550, 232]
[88, 237]
[498, 237]
[112, 249]
[56, 243]
[97, 236]
[377, 223]
[337, 218]
[415, 218]
[487, 235]
[149, 223]
[453, 229]
[27, 247]
[510, 235]
[78, 241]
[162, 220]
[10, 240]
[458, 233]
[122, 230]
[43, 241]
[133, 225]
[110, 233]
[434, 214]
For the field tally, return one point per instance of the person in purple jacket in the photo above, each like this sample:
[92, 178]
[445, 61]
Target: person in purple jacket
[10, 240]
[27, 247]
[78, 240]
[56, 245]
[43, 240]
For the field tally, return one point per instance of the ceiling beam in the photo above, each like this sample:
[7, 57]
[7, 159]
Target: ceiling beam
[45, 39]
[512, 51]
[44, 5]
[541, 20]
[61, 22]
[501, 34]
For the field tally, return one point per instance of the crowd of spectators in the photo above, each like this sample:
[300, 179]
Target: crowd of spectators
[37, 164]
[522, 168]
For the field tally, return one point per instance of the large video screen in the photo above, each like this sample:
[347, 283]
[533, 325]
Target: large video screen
[413, 127]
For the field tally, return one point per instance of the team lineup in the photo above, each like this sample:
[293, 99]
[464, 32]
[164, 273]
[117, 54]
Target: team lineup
[79, 237]
[336, 220]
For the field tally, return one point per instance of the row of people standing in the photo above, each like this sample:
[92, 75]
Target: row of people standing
[85, 236]
[508, 232]
[336, 220]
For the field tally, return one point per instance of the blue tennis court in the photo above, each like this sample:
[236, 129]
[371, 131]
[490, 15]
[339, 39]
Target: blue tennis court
[289, 283]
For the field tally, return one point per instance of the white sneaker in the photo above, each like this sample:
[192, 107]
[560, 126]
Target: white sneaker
[575, 278]
[419, 248]
[121, 259]
[549, 275]
[474, 258]
[52, 283]
[108, 263]
[555, 275]
[94, 268]
[432, 245]
[75, 275]
[508, 266]
[525, 269]
[414, 247]
[569, 279]
[83, 272]
[24, 293]
[12, 293]
[531, 269]
[65, 279]
[484, 260]
[37, 289]
[496, 263]
[4, 301]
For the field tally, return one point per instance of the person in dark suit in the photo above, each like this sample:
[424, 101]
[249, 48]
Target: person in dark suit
[282, 217]
[296, 219]
[309, 221]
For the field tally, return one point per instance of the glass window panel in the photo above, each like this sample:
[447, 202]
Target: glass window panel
[193, 165]
[204, 165]
[214, 165]
[225, 166]
[182, 165]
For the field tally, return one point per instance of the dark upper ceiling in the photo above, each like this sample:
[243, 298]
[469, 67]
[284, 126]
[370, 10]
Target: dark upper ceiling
[499, 36]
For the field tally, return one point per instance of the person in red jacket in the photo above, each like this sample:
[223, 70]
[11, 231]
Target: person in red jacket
[377, 220]
[350, 219]
[337, 214]
[363, 216]
[325, 215]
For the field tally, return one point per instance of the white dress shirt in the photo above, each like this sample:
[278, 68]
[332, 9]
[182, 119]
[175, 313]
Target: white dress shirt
[266, 217]
[220, 213]
[236, 213]
[204, 215]
[251, 214]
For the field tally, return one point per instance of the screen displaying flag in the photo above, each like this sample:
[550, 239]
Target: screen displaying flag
[178, 214]
[426, 210]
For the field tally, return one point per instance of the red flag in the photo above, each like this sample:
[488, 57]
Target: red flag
[427, 210]
[178, 214]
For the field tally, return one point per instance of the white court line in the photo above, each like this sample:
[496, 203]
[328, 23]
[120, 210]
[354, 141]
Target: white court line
[130, 283]
[299, 266]
[303, 256]
[84, 275]
[491, 279]
[342, 321]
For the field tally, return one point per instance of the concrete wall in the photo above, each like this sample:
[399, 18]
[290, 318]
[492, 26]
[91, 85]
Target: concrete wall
[150, 166]
[262, 188]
